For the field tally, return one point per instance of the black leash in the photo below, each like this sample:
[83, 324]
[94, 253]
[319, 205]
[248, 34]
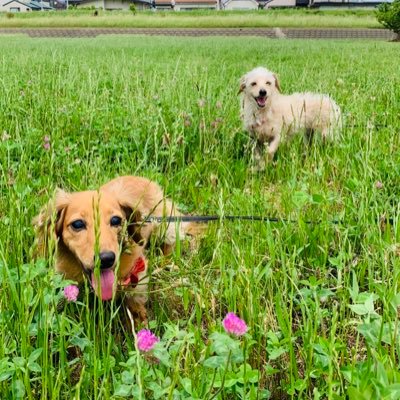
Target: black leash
[208, 218]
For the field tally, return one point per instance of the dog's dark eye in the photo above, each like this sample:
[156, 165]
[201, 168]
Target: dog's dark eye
[268, 83]
[253, 83]
[78, 225]
[115, 221]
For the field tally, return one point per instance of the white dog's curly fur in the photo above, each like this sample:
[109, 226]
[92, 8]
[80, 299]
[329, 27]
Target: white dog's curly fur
[268, 115]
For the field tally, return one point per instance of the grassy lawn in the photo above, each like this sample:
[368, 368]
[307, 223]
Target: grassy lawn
[321, 300]
[195, 19]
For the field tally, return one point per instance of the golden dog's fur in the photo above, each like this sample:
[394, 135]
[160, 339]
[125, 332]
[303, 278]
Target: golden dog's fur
[90, 227]
[268, 115]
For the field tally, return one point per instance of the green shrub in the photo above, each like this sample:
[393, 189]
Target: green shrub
[132, 7]
[388, 15]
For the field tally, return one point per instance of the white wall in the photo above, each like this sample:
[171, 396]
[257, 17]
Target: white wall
[281, 3]
[241, 5]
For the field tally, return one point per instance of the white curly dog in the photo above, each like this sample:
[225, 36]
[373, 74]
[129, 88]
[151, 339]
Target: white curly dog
[269, 115]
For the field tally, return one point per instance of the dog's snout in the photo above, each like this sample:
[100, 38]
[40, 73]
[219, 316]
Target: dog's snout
[107, 259]
[262, 92]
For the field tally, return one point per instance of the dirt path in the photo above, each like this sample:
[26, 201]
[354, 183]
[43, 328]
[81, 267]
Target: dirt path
[278, 33]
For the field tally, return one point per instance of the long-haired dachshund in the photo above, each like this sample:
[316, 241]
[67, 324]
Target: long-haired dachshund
[102, 228]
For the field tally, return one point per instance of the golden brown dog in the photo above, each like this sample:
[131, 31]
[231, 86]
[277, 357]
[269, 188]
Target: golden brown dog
[103, 228]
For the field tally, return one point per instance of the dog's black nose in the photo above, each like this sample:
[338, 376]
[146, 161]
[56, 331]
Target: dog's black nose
[107, 259]
[262, 92]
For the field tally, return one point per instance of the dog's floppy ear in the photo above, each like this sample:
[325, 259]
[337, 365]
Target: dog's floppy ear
[133, 218]
[53, 212]
[277, 82]
[48, 224]
[242, 84]
[133, 214]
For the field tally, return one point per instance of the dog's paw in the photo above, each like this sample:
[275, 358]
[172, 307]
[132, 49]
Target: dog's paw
[257, 168]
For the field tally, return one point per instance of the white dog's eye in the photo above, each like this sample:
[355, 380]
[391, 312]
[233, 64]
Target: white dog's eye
[268, 83]
[253, 83]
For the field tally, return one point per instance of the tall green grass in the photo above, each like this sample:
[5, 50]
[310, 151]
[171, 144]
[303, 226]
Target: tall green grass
[298, 18]
[321, 300]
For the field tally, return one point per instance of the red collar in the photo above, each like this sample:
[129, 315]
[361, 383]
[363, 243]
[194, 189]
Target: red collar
[132, 279]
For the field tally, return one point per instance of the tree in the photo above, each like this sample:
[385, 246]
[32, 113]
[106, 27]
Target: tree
[388, 15]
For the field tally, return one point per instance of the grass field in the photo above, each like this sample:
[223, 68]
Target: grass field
[305, 18]
[321, 300]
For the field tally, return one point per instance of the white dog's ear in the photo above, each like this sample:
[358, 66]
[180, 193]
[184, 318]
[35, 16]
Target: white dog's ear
[242, 84]
[277, 83]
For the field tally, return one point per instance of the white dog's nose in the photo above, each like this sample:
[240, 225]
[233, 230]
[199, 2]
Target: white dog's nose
[262, 92]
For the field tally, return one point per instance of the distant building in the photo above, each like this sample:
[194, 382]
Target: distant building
[24, 6]
[59, 4]
[240, 5]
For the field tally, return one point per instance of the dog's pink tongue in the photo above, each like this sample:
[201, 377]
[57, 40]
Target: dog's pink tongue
[106, 283]
[261, 101]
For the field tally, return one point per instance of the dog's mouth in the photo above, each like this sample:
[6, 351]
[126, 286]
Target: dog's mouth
[261, 100]
[103, 284]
